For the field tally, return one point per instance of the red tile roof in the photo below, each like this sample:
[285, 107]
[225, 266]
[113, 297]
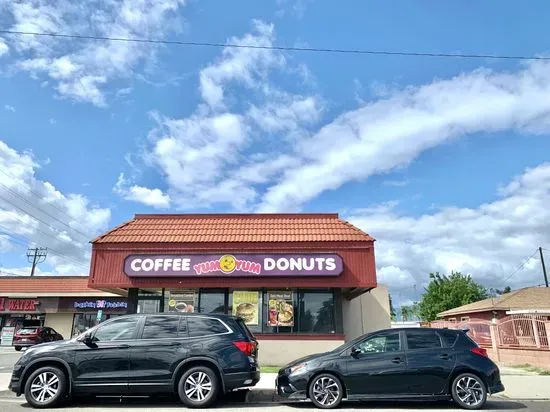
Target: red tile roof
[201, 228]
[44, 284]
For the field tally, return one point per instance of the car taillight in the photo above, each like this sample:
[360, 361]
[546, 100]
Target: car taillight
[245, 347]
[480, 352]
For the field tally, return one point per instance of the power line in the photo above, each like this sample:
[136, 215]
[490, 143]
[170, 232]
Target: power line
[280, 48]
[14, 193]
[39, 196]
[520, 267]
[53, 251]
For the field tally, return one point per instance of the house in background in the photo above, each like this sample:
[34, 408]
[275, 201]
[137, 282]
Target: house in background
[533, 300]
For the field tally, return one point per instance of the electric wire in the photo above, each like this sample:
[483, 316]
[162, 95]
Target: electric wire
[278, 48]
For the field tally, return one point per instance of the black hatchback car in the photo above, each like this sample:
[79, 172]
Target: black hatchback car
[196, 356]
[395, 364]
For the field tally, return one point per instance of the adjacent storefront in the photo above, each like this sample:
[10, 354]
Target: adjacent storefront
[64, 303]
[301, 282]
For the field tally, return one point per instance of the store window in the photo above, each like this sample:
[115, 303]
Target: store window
[212, 302]
[316, 312]
[148, 306]
[247, 304]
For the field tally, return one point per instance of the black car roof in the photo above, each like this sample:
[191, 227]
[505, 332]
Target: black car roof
[210, 315]
[418, 328]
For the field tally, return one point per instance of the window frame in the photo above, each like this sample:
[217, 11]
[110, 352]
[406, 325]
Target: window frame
[422, 330]
[137, 331]
[158, 315]
[376, 335]
[229, 330]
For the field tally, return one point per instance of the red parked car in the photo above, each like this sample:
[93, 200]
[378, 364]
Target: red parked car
[33, 335]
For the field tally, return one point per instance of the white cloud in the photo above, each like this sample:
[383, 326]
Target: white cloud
[9, 108]
[204, 155]
[296, 8]
[34, 212]
[82, 69]
[52, 121]
[248, 66]
[389, 133]
[4, 49]
[150, 197]
[489, 241]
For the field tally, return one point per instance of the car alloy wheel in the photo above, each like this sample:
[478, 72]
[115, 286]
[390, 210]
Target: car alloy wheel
[46, 387]
[326, 392]
[469, 391]
[198, 387]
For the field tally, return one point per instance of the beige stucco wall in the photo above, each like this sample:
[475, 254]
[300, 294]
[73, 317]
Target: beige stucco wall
[281, 352]
[366, 313]
[61, 322]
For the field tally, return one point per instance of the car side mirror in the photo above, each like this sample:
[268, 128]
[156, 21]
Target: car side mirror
[355, 351]
[87, 339]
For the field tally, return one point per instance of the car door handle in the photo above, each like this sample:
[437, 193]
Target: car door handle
[397, 360]
[445, 356]
[123, 346]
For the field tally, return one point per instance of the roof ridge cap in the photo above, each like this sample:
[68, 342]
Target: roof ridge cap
[235, 215]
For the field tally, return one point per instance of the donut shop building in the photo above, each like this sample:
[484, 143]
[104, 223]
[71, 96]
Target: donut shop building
[303, 283]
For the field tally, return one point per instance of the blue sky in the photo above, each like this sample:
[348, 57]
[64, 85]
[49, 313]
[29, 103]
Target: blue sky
[441, 159]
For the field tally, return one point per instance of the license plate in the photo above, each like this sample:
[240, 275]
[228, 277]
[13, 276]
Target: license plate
[25, 340]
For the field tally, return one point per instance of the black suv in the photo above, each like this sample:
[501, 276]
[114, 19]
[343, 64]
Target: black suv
[395, 364]
[197, 356]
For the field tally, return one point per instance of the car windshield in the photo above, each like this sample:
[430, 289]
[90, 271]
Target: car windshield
[27, 331]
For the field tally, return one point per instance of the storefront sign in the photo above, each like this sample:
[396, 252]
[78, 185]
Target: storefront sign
[281, 309]
[328, 264]
[22, 305]
[105, 304]
[246, 305]
[6, 335]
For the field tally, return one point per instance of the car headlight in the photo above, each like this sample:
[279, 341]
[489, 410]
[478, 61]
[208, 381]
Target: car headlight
[297, 369]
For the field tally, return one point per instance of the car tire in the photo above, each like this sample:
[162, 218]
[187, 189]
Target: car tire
[18, 348]
[469, 391]
[326, 391]
[199, 387]
[46, 387]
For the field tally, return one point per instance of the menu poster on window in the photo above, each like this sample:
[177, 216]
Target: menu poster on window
[246, 306]
[182, 301]
[281, 309]
[6, 337]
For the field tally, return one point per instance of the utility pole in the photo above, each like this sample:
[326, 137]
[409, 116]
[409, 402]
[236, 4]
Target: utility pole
[35, 256]
[543, 266]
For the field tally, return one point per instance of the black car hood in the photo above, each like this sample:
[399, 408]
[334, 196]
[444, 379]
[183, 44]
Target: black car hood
[46, 347]
[307, 359]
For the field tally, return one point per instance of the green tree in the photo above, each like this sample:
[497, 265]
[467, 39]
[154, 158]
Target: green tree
[410, 312]
[393, 315]
[498, 292]
[448, 292]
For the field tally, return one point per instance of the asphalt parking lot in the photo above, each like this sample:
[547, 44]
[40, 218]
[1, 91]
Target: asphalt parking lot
[18, 404]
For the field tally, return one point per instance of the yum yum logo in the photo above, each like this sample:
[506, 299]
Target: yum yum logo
[227, 264]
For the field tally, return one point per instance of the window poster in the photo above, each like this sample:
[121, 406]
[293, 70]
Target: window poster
[182, 301]
[281, 309]
[246, 306]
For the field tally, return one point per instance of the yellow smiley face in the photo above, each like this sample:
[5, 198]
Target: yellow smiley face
[227, 263]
